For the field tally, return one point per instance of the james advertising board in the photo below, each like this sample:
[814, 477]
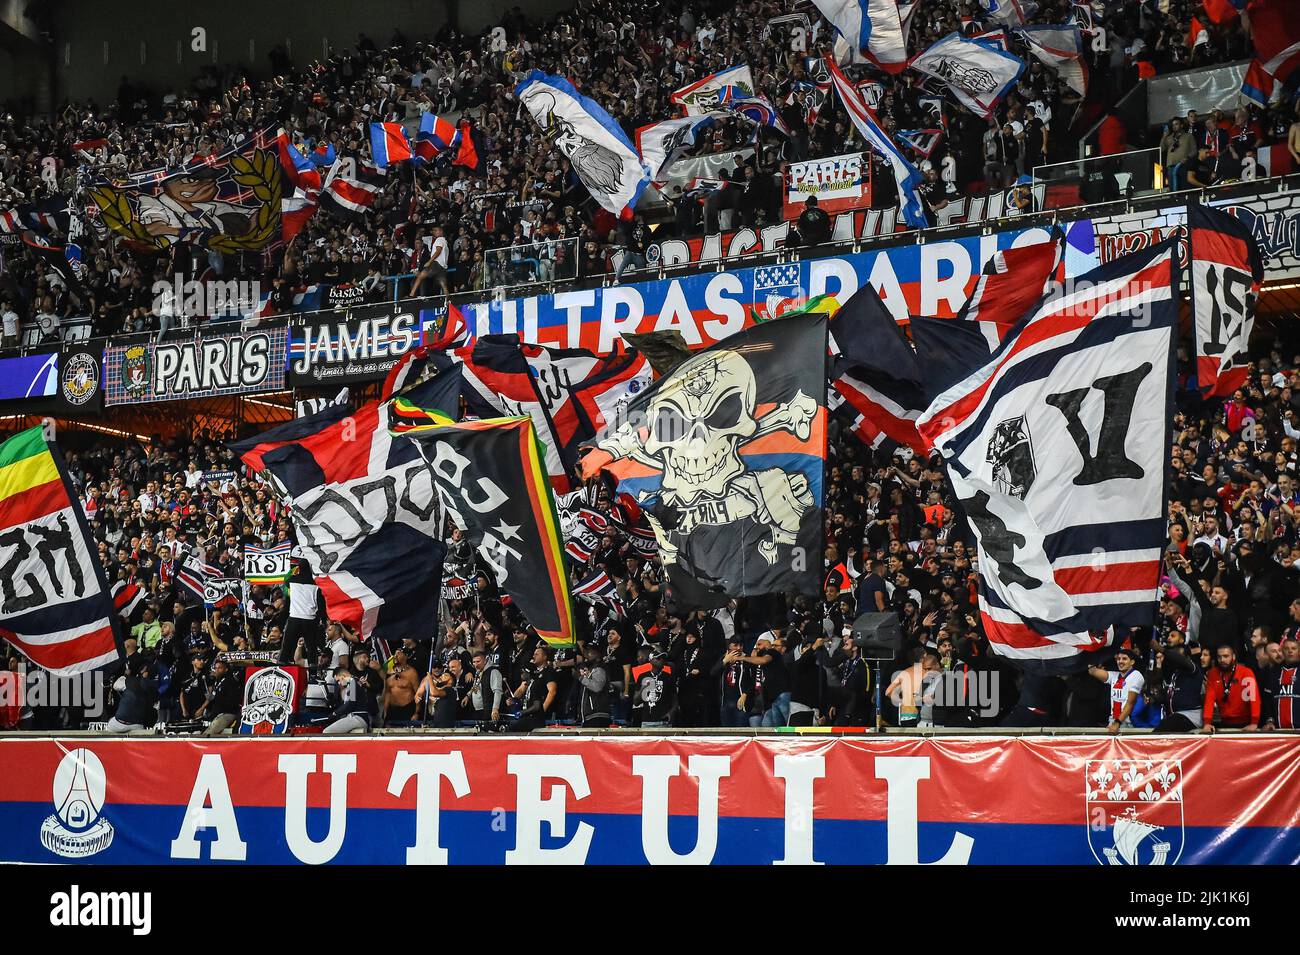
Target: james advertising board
[207, 367]
[361, 344]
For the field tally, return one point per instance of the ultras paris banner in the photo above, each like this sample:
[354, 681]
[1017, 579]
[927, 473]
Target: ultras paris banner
[722, 800]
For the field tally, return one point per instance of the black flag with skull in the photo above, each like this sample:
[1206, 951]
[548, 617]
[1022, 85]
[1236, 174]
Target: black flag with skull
[726, 456]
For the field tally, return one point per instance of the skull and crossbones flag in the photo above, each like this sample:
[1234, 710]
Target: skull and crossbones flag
[1227, 270]
[1069, 419]
[725, 457]
[491, 477]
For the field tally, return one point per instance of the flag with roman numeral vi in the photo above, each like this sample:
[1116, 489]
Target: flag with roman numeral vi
[1056, 447]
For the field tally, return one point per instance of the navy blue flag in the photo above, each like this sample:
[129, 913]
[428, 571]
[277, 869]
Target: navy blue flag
[364, 509]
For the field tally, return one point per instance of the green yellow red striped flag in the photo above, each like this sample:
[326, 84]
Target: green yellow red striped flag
[55, 605]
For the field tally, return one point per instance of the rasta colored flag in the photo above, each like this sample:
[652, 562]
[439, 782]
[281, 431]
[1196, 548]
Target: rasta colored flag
[229, 202]
[725, 455]
[491, 478]
[54, 601]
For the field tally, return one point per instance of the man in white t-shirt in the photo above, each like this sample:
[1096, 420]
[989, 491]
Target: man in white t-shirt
[1125, 684]
[436, 268]
[12, 326]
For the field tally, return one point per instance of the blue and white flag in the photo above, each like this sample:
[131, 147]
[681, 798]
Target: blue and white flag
[758, 109]
[906, 176]
[872, 28]
[601, 154]
[1011, 13]
[703, 95]
[1060, 47]
[978, 74]
[662, 144]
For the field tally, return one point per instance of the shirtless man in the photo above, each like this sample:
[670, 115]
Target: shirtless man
[399, 689]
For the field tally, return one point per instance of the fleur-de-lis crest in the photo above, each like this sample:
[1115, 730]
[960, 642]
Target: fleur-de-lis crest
[1102, 776]
[1149, 793]
[1116, 793]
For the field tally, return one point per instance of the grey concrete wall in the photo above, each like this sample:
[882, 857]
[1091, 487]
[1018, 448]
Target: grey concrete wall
[97, 41]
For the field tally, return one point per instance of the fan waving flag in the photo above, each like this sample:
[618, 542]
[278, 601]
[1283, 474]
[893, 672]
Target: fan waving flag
[1060, 48]
[876, 372]
[703, 95]
[436, 135]
[873, 28]
[662, 144]
[55, 605]
[977, 74]
[1011, 283]
[389, 144]
[490, 477]
[498, 375]
[601, 154]
[906, 176]
[725, 455]
[1275, 32]
[1069, 420]
[1227, 270]
[363, 507]
[351, 197]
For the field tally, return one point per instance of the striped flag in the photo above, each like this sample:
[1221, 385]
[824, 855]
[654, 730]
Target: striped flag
[389, 144]
[55, 605]
[1065, 422]
[351, 197]
[599, 588]
[906, 176]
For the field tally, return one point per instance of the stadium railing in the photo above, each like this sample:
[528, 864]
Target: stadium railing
[1045, 219]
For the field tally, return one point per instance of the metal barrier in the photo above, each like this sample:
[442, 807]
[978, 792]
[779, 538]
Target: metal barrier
[532, 263]
[1046, 219]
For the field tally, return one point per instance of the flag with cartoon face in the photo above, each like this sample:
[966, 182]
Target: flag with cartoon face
[229, 202]
[725, 456]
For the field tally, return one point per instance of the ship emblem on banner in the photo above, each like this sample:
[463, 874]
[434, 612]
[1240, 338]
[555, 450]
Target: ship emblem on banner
[1135, 811]
[777, 290]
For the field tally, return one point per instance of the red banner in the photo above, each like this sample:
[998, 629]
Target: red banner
[977, 800]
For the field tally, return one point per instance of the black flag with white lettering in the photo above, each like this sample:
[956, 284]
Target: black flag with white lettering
[1056, 449]
[491, 477]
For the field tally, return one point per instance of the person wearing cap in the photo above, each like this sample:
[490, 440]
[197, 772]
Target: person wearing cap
[435, 700]
[1020, 199]
[188, 203]
[1126, 683]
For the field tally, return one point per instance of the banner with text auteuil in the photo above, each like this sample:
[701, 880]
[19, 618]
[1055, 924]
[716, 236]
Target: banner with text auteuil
[1087, 800]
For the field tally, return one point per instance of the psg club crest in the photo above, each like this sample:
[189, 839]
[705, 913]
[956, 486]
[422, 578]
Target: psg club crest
[135, 369]
[268, 702]
[77, 829]
[1135, 811]
[777, 290]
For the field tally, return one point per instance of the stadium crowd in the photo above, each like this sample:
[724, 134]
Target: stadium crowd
[1224, 652]
[437, 226]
